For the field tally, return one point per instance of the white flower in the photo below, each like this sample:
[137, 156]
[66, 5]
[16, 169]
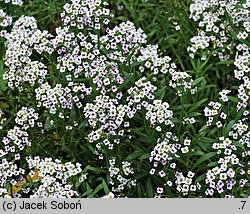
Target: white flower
[110, 195]
[185, 150]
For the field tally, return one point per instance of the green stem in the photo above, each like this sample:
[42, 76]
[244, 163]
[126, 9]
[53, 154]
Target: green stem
[182, 112]
[178, 57]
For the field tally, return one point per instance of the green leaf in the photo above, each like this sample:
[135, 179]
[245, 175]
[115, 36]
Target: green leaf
[205, 62]
[145, 156]
[196, 81]
[4, 105]
[77, 184]
[72, 115]
[136, 131]
[1, 69]
[234, 99]
[152, 32]
[228, 128]
[198, 66]
[92, 169]
[135, 155]
[194, 114]
[3, 83]
[174, 35]
[88, 192]
[196, 153]
[129, 8]
[212, 164]
[97, 189]
[139, 192]
[197, 105]
[105, 187]
[238, 144]
[203, 128]
[213, 131]
[160, 93]
[203, 158]
[209, 140]
[193, 64]
[244, 195]
[140, 175]
[200, 178]
[47, 125]
[3, 86]
[150, 190]
[228, 62]
[239, 114]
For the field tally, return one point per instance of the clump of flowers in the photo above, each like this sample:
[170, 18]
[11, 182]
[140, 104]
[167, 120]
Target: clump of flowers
[15, 140]
[14, 2]
[5, 19]
[159, 113]
[166, 151]
[185, 185]
[43, 178]
[211, 113]
[8, 171]
[53, 177]
[119, 176]
[26, 118]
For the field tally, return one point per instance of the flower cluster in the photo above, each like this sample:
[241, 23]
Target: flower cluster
[41, 42]
[124, 42]
[14, 2]
[222, 179]
[164, 152]
[43, 178]
[152, 59]
[119, 176]
[241, 134]
[2, 119]
[53, 177]
[215, 31]
[185, 185]
[8, 170]
[17, 138]
[159, 113]
[21, 68]
[50, 98]
[244, 94]
[103, 108]
[5, 20]
[223, 32]
[182, 82]
[142, 91]
[26, 118]
[15, 141]
[211, 113]
[189, 120]
[106, 117]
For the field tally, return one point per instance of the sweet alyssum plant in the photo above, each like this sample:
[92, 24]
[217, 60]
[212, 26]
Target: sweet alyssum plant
[91, 109]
